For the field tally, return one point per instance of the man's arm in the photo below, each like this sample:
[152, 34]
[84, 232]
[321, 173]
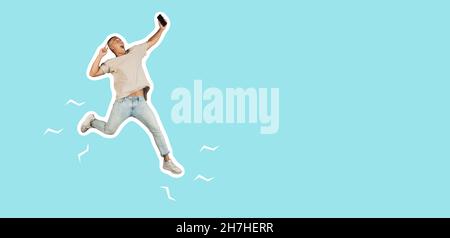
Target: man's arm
[155, 37]
[95, 68]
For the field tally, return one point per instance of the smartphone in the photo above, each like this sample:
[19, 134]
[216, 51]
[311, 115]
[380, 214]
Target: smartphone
[162, 20]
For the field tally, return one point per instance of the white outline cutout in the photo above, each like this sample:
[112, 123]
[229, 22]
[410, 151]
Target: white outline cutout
[113, 98]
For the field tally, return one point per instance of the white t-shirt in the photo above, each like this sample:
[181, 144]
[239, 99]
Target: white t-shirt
[128, 72]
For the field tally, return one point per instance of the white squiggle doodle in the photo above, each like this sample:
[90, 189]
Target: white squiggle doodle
[50, 130]
[78, 104]
[203, 178]
[168, 193]
[205, 147]
[83, 153]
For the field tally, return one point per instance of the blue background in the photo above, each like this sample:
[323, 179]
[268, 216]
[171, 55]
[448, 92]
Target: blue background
[364, 126]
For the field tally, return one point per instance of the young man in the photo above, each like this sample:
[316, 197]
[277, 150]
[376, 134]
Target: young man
[131, 87]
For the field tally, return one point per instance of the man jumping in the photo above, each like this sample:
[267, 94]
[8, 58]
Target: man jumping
[131, 87]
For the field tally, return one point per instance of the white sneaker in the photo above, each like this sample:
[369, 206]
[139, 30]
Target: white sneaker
[87, 123]
[170, 166]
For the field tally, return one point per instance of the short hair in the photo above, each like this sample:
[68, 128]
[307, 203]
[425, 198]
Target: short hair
[111, 38]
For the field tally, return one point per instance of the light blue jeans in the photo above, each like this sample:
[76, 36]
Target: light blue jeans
[138, 108]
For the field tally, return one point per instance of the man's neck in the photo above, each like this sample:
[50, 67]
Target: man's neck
[120, 54]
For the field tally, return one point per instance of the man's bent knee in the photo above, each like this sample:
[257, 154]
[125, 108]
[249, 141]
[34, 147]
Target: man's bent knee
[110, 131]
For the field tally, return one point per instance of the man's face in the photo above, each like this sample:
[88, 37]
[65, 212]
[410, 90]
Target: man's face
[116, 45]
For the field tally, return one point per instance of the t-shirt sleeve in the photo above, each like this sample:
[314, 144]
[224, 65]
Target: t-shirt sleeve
[105, 67]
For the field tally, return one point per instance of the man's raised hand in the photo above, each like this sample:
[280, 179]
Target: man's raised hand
[103, 51]
[161, 26]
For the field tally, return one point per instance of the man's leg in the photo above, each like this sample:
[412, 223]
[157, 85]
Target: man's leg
[120, 112]
[144, 114]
